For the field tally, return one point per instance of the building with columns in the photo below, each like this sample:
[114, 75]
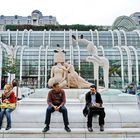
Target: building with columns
[36, 18]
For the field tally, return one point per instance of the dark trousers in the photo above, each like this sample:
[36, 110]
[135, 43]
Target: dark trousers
[93, 112]
[50, 110]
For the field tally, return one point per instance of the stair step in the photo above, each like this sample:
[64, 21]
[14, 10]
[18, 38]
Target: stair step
[70, 138]
[75, 133]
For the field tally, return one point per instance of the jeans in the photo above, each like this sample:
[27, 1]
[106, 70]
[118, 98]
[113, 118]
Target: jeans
[7, 112]
[50, 110]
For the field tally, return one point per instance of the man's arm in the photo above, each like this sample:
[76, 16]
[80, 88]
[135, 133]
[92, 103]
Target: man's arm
[49, 98]
[63, 98]
[87, 99]
[99, 100]
[63, 101]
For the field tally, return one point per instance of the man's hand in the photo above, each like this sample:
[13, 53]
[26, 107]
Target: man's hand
[56, 108]
[97, 105]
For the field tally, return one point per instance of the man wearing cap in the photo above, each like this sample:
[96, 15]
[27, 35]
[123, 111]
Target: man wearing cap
[94, 107]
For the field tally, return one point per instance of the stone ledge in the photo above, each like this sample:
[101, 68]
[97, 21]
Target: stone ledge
[39, 102]
[70, 138]
[35, 116]
[75, 133]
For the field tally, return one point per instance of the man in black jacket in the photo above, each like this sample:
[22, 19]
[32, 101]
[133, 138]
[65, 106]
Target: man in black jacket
[94, 107]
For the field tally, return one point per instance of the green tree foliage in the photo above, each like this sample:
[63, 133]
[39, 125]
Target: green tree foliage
[79, 27]
[115, 68]
[11, 68]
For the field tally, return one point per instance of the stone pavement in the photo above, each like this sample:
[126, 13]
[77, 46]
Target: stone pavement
[69, 138]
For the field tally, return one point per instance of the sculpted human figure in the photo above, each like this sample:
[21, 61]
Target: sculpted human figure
[74, 80]
[91, 48]
[58, 74]
[95, 59]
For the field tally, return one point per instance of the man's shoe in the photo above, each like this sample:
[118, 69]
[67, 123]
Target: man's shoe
[8, 127]
[46, 129]
[67, 129]
[101, 128]
[90, 129]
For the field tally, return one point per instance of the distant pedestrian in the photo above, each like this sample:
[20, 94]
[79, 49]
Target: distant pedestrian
[16, 89]
[138, 95]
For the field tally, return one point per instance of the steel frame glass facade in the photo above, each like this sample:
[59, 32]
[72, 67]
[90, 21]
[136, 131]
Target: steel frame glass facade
[35, 52]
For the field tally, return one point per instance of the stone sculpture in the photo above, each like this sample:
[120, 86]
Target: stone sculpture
[65, 74]
[95, 59]
[75, 80]
[58, 74]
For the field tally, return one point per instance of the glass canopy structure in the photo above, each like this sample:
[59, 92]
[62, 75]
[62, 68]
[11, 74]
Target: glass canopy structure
[34, 54]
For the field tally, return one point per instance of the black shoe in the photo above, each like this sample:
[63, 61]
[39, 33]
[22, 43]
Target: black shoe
[67, 129]
[73, 37]
[90, 129]
[8, 127]
[101, 128]
[0, 127]
[46, 129]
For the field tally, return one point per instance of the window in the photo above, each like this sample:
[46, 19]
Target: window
[18, 21]
[28, 21]
[16, 16]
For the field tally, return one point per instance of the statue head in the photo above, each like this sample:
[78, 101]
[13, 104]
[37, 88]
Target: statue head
[59, 55]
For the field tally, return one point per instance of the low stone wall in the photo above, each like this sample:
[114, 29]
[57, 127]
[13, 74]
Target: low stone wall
[34, 116]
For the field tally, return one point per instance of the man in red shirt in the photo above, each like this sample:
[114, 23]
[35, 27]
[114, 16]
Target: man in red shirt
[56, 101]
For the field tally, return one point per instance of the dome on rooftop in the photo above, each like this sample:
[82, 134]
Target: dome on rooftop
[37, 12]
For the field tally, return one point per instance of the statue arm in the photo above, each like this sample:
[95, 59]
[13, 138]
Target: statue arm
[64, 77]
[67, 68]
[52, 72]
[64, 68]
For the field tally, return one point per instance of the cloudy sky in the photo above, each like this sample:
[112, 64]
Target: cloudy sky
[88, 12]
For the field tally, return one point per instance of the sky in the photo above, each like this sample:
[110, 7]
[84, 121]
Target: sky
[87, 12]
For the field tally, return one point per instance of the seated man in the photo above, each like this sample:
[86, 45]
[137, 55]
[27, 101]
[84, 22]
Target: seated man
[56, 100]
[94, 107]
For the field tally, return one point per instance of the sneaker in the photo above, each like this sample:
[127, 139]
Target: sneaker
[101, 128]
[90, 129]
[46, 129]
[8, 127]
[67, 129]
